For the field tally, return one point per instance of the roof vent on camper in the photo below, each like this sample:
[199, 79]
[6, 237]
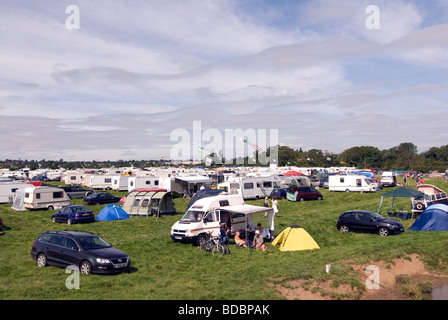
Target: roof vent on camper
[223, 203]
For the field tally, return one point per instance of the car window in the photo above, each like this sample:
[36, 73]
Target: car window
[70, 243]
[57, 240]
[363, 216]
[93, 242]
[45, 238]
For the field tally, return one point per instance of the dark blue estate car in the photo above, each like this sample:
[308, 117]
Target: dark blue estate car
[86, 251]
[368, 221]
[100, 198]
[73, 214]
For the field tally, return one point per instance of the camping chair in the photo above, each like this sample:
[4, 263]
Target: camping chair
[402, 215]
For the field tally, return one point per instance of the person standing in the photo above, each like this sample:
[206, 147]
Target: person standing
[275, 205]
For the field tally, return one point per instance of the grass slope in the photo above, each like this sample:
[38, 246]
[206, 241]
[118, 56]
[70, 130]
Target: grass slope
[164, 270]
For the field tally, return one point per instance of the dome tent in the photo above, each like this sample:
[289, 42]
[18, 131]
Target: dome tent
[434, 218]
[112, 212]
[295, 238]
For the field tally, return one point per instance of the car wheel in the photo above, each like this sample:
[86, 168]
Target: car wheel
[97, 203]
[302, 199]
[86, 267]
[69, 221]
[50, 208]
[419, 206]
[347, 190]
[344, 229]
[384, 232]
[53, 219]
[41, 260]
[319, 198]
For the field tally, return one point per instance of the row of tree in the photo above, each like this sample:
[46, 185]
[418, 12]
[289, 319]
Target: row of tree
[402, 157]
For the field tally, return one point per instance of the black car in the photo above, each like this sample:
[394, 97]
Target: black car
[279, 193]
[368, 221]
[73, 214]
[76, 191]
[101, 198]
[89, 252]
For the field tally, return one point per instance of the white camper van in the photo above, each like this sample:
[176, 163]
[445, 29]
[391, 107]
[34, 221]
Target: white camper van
[251, 187]
[349, 183]
[98, 181]
[388, 179]
[50, 198]
[205, 216]
[8, 189]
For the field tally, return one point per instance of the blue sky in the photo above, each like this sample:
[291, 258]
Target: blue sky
[135, 71]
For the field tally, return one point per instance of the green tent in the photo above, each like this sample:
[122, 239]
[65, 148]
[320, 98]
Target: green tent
[402, 192]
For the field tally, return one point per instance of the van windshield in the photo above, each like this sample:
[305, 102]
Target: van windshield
[192, 216]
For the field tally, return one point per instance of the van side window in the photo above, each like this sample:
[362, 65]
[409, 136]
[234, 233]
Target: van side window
[56, 195]
[341, 180]
[248, 185]
[267, 184]
[37, 195]
[156, 182]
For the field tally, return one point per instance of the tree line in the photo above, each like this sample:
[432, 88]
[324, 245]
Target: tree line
[405, 156]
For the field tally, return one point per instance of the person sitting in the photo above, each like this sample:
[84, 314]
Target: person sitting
[258, 241]
[264, 232]
[224, 231]
[238, 241]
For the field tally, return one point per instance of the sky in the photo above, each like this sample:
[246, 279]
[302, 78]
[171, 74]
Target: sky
[146, 79]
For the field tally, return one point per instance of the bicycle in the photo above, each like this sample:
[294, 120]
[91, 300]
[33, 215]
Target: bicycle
[214, 245]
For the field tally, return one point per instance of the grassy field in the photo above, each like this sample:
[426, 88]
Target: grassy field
[164, 270]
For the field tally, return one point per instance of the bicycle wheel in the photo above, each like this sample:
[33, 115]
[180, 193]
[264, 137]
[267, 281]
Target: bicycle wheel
[218, 250]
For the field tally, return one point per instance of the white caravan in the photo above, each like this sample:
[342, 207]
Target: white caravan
[99, 181]
[73, 177]
[50, 198]
[142, 182]
[120, 183]
[252, 187]
[349, 183]
[9, 188]
[205, 216]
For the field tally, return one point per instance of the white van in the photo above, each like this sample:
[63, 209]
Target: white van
[50, 198]
[350, 183]
[388, 179]
[205, 216]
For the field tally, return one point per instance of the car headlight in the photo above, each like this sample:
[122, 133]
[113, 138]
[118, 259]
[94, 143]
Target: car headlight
[99, 260]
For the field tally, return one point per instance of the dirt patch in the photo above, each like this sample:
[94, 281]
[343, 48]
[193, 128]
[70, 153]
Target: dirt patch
[384, 288]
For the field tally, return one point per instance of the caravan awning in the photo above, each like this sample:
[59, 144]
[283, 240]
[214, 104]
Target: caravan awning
[246, 209]
[195, 179]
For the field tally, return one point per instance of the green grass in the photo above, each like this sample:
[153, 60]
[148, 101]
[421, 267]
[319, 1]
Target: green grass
[162, 269]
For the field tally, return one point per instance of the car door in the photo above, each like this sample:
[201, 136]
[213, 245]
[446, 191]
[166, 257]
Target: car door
[65, 214]
[69, 253]
[365, 222]
[349, 219]
[54, 249]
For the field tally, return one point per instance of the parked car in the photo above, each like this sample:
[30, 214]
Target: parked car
[77, 191]
[89, 252]
[73, 214]
[1, 223]
[279, 193]
[306, 193]
[101, 198]
[368, 221]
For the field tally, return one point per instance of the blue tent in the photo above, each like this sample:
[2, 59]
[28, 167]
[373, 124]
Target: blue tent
[112, 212]
[434, 218]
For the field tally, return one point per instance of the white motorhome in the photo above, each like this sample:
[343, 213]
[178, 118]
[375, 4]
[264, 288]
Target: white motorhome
[205, 216]
[9, 188]
[350, 183]
[251, 187]
[142, 182]
[50, 198]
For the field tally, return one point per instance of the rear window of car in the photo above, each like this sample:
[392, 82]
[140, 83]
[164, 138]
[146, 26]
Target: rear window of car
[45, 238]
